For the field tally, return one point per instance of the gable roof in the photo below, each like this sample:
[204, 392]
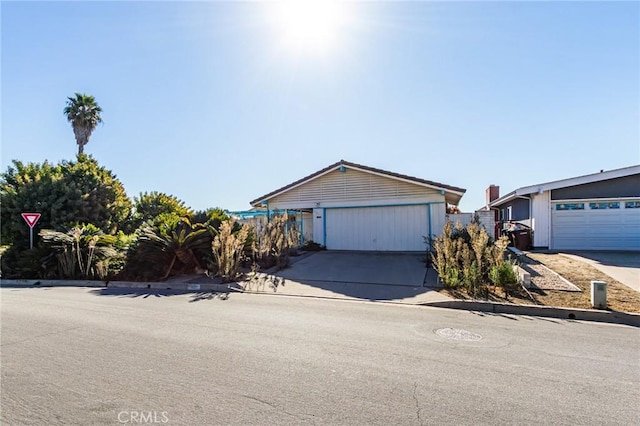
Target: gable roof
[342, 163]
[564, 183]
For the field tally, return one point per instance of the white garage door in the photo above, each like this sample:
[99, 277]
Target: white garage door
[596, 225]
[377, 228]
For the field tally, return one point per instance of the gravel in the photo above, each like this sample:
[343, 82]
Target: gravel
[544, 278]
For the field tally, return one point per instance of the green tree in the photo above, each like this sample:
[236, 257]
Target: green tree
[212, 216]
[64, 194]
[155, 206]
[83, 112]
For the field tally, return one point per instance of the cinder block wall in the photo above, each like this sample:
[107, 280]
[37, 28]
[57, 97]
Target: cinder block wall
[487, 219]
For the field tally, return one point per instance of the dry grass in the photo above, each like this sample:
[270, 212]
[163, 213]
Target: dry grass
[619, 297]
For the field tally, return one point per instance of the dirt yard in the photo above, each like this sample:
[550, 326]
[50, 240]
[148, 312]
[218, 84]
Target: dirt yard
[619, 297]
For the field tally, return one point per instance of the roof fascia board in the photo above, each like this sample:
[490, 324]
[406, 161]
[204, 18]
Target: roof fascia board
[505, 198]
[349, 166]
[563, 183]
[580, 180]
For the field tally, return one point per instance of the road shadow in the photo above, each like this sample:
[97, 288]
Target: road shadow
[209, 295]
[517, 317]
[137, 292]
[145, 293]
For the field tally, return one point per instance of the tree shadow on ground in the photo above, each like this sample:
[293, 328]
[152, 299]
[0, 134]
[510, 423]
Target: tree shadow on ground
[156, 293]
[517, 317]
[209, 295]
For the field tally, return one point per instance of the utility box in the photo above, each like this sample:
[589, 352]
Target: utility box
[599, 294]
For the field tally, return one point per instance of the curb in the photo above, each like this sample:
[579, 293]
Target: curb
[120, 284]
[542, 311]
[479, 306]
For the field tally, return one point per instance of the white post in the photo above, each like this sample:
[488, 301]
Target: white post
[599, 294]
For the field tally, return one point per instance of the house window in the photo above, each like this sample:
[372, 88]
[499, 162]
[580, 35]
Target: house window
[509, 211]
[572, 206]
[601, 206]
[632, 205]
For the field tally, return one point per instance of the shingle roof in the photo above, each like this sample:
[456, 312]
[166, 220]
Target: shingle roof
[361, 167]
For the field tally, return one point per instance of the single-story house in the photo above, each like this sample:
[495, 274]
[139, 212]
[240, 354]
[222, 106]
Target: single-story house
[348, 206]
[600, 211]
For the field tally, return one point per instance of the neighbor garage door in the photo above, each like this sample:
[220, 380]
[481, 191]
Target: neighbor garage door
[596, 225]
[377, 228]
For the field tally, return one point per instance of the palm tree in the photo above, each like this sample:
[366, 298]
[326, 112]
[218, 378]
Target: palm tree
[83, 113]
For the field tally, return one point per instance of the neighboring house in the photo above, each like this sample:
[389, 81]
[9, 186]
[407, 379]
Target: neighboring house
[348, 206]
[600, 211]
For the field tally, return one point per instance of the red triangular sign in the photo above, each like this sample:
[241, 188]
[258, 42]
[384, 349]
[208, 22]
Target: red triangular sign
[31, 218]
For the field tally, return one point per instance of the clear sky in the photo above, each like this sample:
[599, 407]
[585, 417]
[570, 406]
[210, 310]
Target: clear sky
[219, 103]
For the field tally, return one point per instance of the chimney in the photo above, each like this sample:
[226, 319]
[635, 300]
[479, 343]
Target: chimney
[493, 193]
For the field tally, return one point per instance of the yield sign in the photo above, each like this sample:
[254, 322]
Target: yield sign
[31, 218]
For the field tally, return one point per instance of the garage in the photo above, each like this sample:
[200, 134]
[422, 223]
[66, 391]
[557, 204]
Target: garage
[598, 211]
[395, 228]
[356, 207]
[596, 225]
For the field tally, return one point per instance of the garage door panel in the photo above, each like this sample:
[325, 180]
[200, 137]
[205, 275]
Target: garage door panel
[398, 228]
[596, 229]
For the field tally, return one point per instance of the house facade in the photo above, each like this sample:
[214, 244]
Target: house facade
[348, 206]
[600, 211]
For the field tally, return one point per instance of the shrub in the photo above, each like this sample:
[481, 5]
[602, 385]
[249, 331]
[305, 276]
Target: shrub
[274, 241]
[82, 252]
[504, 276]
[464, 256]
[177, 243]
[21, 262]
[228, 249]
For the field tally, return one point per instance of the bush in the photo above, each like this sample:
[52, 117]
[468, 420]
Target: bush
[82, 252]
[172, 247]
[464, 256]
[228, 250]
[19, 262]
[504, 275]
[275, 241]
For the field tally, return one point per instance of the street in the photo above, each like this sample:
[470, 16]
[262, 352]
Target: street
[107, 357]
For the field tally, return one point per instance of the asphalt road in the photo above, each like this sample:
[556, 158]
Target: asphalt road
[95, 356]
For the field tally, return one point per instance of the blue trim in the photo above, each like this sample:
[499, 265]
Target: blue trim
[324, 227]
[429, 220]
[301, 228]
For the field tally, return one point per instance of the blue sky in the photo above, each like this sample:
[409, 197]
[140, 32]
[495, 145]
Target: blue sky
[207, 101]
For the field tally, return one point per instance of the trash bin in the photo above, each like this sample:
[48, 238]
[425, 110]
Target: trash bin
[522, 239]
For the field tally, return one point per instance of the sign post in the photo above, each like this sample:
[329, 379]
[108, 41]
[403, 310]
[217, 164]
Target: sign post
[31, 219]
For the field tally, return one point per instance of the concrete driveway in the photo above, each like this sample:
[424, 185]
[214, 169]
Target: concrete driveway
[623, 266]
[398, 269]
